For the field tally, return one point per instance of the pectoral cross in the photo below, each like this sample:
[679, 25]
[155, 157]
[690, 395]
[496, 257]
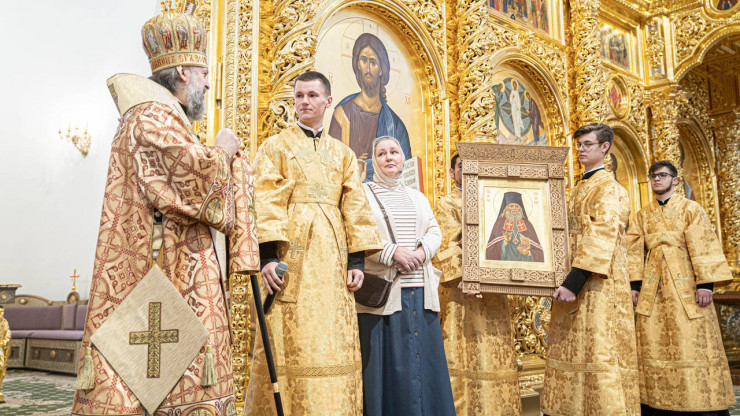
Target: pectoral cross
[74, 278]
[296, 248]
[317, 191]
[154, 338]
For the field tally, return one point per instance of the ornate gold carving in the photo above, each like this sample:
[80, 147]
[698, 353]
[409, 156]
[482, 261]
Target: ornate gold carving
[694, 32]
[294, 39]
[530, 319]
[655, 50]
[727, 131]
[666, 103]
[478, 34]
[239, 308]
[590, 81]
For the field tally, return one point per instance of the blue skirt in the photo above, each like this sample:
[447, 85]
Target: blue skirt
[404, 368]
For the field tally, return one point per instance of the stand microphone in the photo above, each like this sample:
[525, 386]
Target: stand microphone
[280, 270]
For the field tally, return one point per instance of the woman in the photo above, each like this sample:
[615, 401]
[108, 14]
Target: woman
[404, 368]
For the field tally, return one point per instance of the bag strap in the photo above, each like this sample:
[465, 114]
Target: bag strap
[385, 214]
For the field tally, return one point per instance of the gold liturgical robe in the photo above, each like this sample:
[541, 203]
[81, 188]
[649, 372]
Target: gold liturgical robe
[310, 200]
[683, 366]
[477, 332]
[591, 364]
[158, 163]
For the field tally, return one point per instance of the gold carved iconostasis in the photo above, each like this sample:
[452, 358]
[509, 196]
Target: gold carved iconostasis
[663, 74]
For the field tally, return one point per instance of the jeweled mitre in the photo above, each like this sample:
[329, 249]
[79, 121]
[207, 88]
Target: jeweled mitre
[174, 39]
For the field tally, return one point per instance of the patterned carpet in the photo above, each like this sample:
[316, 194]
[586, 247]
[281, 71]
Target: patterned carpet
[38, 393]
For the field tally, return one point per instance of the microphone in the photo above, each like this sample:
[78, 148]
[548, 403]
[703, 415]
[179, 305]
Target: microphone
[280, 270]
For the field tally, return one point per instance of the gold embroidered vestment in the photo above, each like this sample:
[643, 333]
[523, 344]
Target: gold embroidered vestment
[158, 163]
[683, 366]
[310, 200]
[591, 366]
[477, 332]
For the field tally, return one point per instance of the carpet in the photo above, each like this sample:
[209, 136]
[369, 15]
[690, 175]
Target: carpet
[39, 393]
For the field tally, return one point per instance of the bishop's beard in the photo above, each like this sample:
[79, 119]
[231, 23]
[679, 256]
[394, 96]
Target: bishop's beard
[513, 217]
[196, 105]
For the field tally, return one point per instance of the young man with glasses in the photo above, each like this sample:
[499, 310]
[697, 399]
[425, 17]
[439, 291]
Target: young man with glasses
[591, 366]
[683, 367]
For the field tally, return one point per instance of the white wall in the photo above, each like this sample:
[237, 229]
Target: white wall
[56, 57]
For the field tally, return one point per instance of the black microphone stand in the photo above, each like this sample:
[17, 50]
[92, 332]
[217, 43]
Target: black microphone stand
[266, 343]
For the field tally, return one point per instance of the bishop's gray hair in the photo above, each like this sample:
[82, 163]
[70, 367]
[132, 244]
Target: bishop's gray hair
[168, 78]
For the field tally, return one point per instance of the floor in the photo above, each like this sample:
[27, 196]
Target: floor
[39, 393]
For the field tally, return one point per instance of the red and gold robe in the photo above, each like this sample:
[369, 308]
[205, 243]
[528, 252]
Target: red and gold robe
[591, 366]
[157, 163]
[311, 202]
[476, 332]
[683, 366]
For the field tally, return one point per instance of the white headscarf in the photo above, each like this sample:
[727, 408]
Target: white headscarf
[379, 177]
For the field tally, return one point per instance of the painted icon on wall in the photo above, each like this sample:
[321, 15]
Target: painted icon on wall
[615, 46]
[375, 86]
[726, 4]
[617, 97]
[518, 113]
[535, 13]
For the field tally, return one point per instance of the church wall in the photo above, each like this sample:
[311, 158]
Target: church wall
[57, 58]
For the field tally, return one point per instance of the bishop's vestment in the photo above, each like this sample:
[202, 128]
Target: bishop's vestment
[157, 163]
[682, 362]
[311, 202]
[591, 366]
[476, 332]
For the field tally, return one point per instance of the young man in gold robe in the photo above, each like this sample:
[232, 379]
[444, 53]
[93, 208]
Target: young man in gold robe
[158, 168]
[312, 213]
[480, 354]
[683, 367]
[591, 366]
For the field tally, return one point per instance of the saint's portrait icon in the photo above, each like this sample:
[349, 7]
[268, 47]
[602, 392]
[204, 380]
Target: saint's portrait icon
[361, 117]
[513, 238]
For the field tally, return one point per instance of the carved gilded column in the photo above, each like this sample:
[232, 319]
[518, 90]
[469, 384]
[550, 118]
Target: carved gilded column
[475, 89]
[666, 105]
[727, 132]
[590, 81]
[294, 46]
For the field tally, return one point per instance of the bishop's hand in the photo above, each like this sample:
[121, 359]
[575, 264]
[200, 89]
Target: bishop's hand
[228, 140]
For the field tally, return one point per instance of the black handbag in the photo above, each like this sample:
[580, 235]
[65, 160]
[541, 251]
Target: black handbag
[375, 289]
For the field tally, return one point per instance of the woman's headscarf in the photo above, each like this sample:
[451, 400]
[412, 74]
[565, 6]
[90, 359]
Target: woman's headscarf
[379, 177]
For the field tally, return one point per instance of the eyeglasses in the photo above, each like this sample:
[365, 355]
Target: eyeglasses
[661, 176]
[585, 146]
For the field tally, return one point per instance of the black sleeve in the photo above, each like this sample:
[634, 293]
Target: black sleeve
[576, 279]
[708, 286]
[356, 261]
[268, 253]
[637, 285]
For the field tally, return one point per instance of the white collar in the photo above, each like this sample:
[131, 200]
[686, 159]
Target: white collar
[305, 127]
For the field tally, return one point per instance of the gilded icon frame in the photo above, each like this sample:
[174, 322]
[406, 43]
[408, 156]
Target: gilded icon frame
[500, 167]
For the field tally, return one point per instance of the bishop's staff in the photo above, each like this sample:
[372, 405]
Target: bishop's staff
[266, 342]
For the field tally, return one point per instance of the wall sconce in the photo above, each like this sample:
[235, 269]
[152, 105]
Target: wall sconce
[80, 140]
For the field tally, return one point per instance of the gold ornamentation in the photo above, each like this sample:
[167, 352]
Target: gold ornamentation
[667, 101]
[727, 131]
[81, 141]
[655, 50]
[590, 81]
[154, 338]
[530, 318]
[172, 39]
[694, 32]
[239, 308]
